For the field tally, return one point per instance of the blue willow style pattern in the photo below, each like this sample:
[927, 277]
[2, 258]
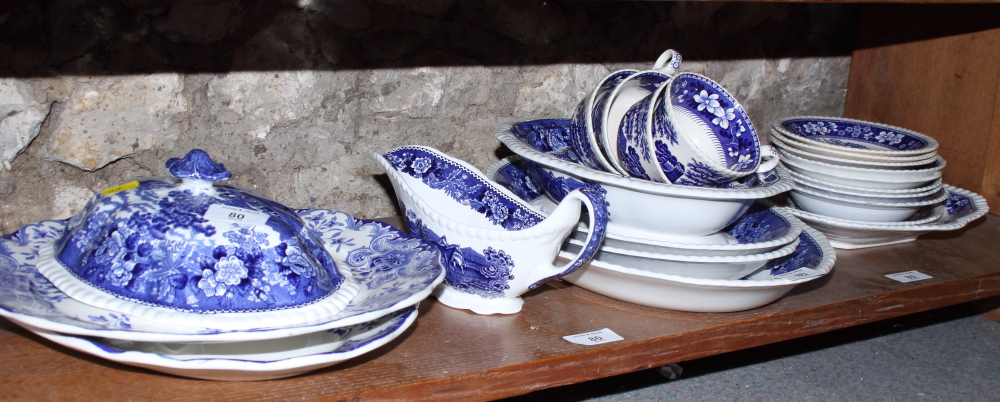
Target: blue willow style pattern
[853, 134]
[579, 139]
[153, 244]
[759, 224]
[515, 180]
[633, 149]
[389, 265]
[462, 186]
[722, 114]
[601, 97]
[485, 273]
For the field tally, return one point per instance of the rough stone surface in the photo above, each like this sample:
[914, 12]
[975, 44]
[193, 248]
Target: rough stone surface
[21, 117]
[114, 117]
[294, 95]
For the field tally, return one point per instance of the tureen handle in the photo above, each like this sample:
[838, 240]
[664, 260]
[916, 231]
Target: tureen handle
[197, 165]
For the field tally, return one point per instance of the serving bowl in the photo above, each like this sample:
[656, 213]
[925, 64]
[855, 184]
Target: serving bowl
[708, 295]
[634, 202]
[855, 209]
[961, 207]
[856, 136]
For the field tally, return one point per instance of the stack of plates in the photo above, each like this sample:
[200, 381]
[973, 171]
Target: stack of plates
[383, 308]
[868, 184]
[726, 247]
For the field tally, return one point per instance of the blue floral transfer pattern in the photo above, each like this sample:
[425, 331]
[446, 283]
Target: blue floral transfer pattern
[514, 179]
[153, 245]
[463, 186]
[485, 273]
[958, 206]
[854, 134]
[759, 224]
[709, 102]
[807, 255]
[368, 247]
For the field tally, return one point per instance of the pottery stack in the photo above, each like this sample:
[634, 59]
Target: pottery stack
[684, 177]
[180, 275]
[867, 184]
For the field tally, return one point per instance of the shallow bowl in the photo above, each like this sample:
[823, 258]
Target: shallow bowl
[928, 189]
[843, 208]
[856, 136]
[883, 165]
[836, 153]
[872, 183]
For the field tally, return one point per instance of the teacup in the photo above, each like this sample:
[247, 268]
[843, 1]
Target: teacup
[697, 134]
[495, 247]
[588, 118]
[629, 92]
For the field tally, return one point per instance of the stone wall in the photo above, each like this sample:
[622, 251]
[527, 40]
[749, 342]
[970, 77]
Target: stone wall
[294, 96]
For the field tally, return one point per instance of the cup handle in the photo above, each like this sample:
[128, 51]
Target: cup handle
[593, 199]
[668, 62]
[768, 159]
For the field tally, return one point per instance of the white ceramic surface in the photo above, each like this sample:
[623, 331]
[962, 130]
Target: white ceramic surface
[249, 361]
[902, 193]
[863, 173]
[853, 209]
[858, 147]
[625, 95]
[869, 198]
[659, 207]
[844, 179]
[962, 207]
[836, 153]
[698, 295]
[923, 216]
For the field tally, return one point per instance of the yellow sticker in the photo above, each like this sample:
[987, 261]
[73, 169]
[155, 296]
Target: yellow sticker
[127, 186]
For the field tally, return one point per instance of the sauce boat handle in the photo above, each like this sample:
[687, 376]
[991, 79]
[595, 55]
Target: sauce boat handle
[593, 199]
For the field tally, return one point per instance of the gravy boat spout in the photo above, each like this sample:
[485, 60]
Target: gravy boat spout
[495, 246]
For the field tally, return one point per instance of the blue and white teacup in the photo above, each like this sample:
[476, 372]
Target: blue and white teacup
[699, 135]
[589, 118]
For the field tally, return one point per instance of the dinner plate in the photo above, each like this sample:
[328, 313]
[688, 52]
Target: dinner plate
[394, 271]
[247, 361]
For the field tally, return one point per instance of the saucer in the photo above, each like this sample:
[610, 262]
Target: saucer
[367, 247]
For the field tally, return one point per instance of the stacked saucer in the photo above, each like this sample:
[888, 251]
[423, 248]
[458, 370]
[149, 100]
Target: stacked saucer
[868, 184]
[199, 280]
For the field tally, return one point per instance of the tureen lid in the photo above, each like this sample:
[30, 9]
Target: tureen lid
[190, 246]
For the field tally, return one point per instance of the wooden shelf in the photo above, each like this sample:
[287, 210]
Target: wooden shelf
[455, 355]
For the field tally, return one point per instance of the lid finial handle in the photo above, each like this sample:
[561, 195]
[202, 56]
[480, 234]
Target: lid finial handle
[197, 165]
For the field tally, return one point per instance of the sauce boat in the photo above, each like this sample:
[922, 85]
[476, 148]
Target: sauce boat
[495, 246]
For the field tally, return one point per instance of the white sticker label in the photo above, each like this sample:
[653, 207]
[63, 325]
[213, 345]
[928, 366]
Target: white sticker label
[801, 273]
[594, 338]
[235, 214]
[909, 276]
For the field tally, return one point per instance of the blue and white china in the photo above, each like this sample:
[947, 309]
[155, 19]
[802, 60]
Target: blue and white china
[637, 203]
[961, 207]
[628, 93]
[762, 229]
[859, 208]
[692, 266]
[834, 192]
[247, 361]
[708, 295]
[903, 193]
[872, 179]
[394, 271]
[588, 118]
[494, 246]
[185, 252]
[924, 215]
[699, 134]
[856, 136]
[888, 164]
[789, 143]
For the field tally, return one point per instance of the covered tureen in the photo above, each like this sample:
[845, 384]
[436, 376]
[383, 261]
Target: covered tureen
[184, 251]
